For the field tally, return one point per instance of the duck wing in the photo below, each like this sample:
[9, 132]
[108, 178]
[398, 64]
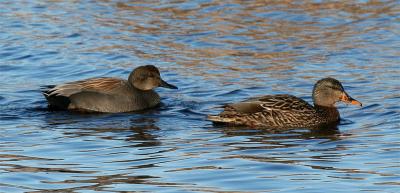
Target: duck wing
[99, 85]
[268, 111]
[278, 103]
[61, 96]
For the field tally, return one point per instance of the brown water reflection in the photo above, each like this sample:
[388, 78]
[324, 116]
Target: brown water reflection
[246, 30]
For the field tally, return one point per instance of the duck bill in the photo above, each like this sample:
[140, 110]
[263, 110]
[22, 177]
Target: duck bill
[167, 85]
[347, 99]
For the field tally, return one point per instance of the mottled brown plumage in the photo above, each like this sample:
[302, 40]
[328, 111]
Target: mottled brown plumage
[110, 95]
[287, 111]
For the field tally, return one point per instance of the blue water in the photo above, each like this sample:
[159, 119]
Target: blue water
[215, 53]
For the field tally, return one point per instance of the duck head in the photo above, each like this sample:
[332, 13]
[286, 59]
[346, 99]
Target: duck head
[328, 91]
[147, 78]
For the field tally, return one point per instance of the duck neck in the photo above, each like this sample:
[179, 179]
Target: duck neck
[330, 112]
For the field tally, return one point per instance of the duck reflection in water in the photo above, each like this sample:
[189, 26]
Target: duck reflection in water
[139, 129]
[287, 111]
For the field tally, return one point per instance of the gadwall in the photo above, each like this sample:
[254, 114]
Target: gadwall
[287, 111]
[110, 95]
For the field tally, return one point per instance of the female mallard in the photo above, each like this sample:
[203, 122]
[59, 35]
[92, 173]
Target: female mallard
[287, 111]
[110, 95]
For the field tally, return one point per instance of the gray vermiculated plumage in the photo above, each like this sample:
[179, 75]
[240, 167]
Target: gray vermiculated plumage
[110, 95]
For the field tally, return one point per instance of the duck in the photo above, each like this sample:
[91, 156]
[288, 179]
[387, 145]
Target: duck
[288, 111]
[109, 94]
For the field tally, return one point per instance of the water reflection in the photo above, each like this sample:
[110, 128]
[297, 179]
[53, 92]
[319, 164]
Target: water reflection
[141, 132]
[328, 131]
[100, 183]
[221, 52]
[249, 32]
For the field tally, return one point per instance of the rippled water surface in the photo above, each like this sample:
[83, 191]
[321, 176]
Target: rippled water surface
[215, 52]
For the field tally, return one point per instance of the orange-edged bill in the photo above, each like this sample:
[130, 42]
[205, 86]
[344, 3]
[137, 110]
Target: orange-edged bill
[347, 99]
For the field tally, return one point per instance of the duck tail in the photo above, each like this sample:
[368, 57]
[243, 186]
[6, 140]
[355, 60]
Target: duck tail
[219, 119]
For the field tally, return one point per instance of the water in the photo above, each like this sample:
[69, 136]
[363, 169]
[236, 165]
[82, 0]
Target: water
[215, 53]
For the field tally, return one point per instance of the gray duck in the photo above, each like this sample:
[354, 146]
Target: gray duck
[109, 95]
[287, 111]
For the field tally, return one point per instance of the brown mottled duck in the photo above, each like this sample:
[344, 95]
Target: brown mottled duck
[287, 111]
